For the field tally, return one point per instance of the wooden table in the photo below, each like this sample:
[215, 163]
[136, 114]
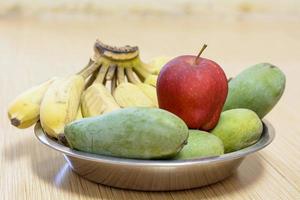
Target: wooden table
[32, 50]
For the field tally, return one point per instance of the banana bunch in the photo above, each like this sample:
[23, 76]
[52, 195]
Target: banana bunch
[122, 71]
[55, 102]
[114, 78]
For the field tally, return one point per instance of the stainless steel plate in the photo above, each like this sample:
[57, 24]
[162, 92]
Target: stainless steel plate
[155, 175]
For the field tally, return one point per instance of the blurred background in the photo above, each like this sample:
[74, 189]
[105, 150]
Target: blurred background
[58, 35]
[266, 8]
[249, 28]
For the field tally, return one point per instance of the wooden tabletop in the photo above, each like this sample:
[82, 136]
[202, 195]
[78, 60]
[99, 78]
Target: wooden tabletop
[32, 50]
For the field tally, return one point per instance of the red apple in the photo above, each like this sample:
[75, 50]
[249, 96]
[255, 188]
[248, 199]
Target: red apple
[193, 88]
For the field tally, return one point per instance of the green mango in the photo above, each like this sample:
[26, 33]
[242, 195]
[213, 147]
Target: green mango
[142, 133]
[257, 88]
[238, 128]
[201, 144]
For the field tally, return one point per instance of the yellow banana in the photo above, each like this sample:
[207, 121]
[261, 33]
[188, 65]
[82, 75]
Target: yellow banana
[60, 104]
[79, 113]
[149, 91]
[151, 80]
[61, 101]
[130, 95]
[24, 111]
[97, 100]
[157, 63]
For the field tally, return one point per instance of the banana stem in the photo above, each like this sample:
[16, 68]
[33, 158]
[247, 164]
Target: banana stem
[91, 79]
[113, 84]
[101, 75]
[147, 68]
[142, 73]
[130, 76]
[116, 53]
[120, 74]
[89, 69]
[111, 72]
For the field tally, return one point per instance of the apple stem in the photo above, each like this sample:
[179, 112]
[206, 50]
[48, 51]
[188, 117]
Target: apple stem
[200, 52]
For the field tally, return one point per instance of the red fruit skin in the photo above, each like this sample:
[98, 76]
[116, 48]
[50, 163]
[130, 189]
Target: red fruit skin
[195, 92]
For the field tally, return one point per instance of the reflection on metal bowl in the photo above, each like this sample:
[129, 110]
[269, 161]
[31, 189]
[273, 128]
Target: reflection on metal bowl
[155, 175]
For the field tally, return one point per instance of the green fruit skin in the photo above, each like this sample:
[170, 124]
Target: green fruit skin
[201, 144]
[238, 128]
[142, 133]
[257, 88]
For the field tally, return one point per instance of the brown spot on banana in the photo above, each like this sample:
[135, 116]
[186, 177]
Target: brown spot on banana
[16, 122]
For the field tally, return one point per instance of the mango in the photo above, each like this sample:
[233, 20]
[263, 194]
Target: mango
[141, 133]
[238, 128]
[201, 144]
[257, 88]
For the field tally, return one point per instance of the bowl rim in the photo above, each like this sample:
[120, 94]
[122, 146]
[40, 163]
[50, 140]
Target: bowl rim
[266, 138]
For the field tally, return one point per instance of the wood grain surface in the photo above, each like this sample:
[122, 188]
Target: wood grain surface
[32, 50]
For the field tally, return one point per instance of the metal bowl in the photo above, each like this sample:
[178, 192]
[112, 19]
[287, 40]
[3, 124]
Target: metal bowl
[155, 175]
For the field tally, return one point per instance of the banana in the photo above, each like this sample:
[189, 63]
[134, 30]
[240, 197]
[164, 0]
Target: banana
[111, 72]
[126, 58]
[157, 63]
[130, 76]
[79, 113]
[120, 75]
[60, 104]
[97, 100]
[24, 111]
[91, 79]
[61, 101]
[151, 80]
[141, 72]
[149, 91]
[57, 102]
[113, 84]
[130, 95]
